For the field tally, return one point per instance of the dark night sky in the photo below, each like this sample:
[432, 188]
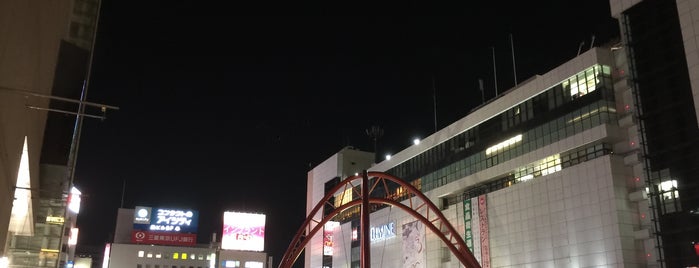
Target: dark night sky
[228, 106]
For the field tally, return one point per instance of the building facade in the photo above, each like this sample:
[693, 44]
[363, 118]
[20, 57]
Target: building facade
[545, 175]
[44, 53]
[660, 38]
[152, 237]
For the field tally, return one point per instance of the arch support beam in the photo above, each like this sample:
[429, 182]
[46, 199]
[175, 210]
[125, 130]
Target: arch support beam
[416, 204]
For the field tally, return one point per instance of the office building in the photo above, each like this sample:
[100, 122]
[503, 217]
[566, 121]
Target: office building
[547, 174]
[156, 237]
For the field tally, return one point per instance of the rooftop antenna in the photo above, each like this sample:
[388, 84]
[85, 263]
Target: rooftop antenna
[592, 43]
[480, 86]
[434, 103]
[123, 191]
[495, 72]
[375, 132]
[514, 67]
[580, 47]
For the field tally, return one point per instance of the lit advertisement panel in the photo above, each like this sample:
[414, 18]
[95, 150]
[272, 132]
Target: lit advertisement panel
[160, 238]
[243, 231]
[328, 240]
[74, 200]
[165, 220]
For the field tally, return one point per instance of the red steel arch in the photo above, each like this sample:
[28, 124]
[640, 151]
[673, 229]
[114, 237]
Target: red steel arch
[421, 208]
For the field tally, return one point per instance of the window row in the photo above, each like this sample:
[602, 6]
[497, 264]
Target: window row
[174, 255]
[591, 79]
[566, 126]
[543, 167]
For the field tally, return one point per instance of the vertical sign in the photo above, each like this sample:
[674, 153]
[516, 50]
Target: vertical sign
[483, 222]
[467, 225]
[328, 241]
[414, 245]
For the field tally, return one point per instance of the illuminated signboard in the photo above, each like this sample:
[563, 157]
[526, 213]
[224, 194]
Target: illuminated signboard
[74, 200]
[328, 241]
[105, 259]
[382, 232]
[55, 220]
[243, 231]
[165, 220]
[163, 238]
[141, 215]
[73, 238]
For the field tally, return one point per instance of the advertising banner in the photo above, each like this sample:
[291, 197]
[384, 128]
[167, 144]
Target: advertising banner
[414, 245]
[243, 231]
[328, 241]
[161, 238]
[483, 222]
[468, 237]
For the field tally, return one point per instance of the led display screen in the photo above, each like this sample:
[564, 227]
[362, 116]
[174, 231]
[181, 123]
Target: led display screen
[243, 231]
[165, 220]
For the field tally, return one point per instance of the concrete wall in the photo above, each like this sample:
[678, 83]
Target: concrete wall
[30, 34]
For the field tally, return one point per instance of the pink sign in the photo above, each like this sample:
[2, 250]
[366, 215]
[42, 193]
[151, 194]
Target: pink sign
[174, 239]
[243, 231]
[483, 224]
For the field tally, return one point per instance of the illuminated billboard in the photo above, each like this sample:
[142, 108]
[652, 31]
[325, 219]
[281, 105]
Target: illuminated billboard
[165, 220]
[243, 231]
[328, 240]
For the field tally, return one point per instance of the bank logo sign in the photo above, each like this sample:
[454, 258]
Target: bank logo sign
[142, 215]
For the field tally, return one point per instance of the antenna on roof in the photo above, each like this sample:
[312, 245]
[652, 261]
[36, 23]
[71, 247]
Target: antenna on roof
[514, 66]
[580, 47]
[434, 104]
[480, 86]
[592, 43]
[495, 73]
[123, 191]
[375, 132]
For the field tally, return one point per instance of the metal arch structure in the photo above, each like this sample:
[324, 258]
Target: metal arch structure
[417, 205]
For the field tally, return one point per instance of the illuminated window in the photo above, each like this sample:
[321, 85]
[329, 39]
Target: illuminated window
[584, 82]
[184, 256]
[149, 255]
[192, 256]
[253, 264]
[158, 255]
[343, 198]
[503, 145]
[175, 256]
[201, 257]
[231, 264]
[542, 167]
[668, 190]
[141, 253]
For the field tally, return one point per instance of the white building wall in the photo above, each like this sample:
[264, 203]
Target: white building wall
[345, 163]
[127, 255]
[30, 35]
[577, 217]
[688, 11]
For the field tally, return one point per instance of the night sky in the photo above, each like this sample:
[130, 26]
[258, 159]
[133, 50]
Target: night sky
[227, 105]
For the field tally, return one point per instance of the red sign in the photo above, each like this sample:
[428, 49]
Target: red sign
[483, 222]
[174, 239]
